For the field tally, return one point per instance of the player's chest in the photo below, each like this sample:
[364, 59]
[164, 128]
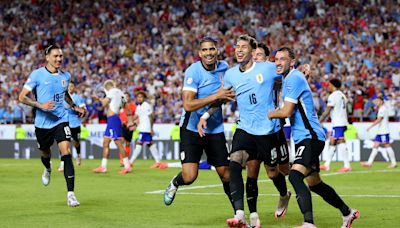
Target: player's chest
[54, 83]
[250, 82]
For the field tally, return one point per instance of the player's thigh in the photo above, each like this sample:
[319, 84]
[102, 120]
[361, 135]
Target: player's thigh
[243, 141]
[126, 133]
[282, 148]
[267, 148]
[45, 138]
[76, 133]
[190, 146]
[308, 152]
[62, 135]
[216, 150]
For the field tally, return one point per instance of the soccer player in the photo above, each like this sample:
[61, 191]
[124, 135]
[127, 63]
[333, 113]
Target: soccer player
[49, 87]
[382, 137]
[144, 113]
[202, 87]
[114, 100]
[126, 132]
[309, 139]
[74, 123]
[336, 107]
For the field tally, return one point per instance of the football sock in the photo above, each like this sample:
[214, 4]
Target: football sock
[128, 151]
[46, 162]
[228, 193]
[303, 195]
[69, 172]
[178, 180]
[280, 184]
[372, 155]
[391, 155]
[154, 152]
[342, 149]
[236, 185]
[252, 194]
[104, 163]
[331, 197]
[78, 149]
[329, 156]
[136, 152]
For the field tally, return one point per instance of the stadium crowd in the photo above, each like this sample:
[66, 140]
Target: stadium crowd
[148, 45]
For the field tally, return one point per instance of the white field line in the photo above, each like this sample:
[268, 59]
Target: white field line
[181, 189]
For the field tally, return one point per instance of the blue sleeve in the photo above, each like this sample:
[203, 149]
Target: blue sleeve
[79, 101]
[294, 87]
[191, 81]
[32, 81]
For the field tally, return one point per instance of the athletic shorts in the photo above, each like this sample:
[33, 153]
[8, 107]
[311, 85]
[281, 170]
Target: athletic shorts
[76, 133]
[46, 137]
[307, 153]
[192, 147]
[338, 132]
[288, 132]
[114, 127]
[126, 133]
[283, 149]
[144, 138]
[385, 138]
[260, 147]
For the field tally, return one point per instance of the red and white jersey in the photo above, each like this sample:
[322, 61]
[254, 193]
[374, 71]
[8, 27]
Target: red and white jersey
[117, 98]
[383, 126]
[338, 101]
[144, 111]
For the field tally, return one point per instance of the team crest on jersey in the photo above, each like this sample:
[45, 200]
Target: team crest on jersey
[259, 78]
[63, 83]
[189, 81]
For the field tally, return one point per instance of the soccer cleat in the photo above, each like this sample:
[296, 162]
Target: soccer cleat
[170, 192]
[282, 206]
[392, 166]
[366, 164]
[254, 220]
[345, 169]
[155, 165]
[46, 177]
[125, 171]
[347, 220]
[238, 221]
[100, 170]
[306, 225]
[324, 167]
[72, 201]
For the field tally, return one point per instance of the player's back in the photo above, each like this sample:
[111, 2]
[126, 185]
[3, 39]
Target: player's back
[254, 96]
[117, 98]
[338, 101]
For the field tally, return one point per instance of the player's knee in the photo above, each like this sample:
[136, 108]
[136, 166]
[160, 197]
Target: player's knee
[272, 172]
[224, 173]
[284, 168]
[240, 157]
[189, 177]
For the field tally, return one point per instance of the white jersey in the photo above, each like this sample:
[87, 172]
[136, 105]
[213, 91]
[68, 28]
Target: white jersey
[383, 126]
[144, 111]
[338, 101]
[117, 98]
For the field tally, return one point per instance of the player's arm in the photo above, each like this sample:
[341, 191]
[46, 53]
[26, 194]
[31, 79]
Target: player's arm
[25, 99]
[79, 110]
[190, 103]
[325, 113]
[376, 122]
[285, 112]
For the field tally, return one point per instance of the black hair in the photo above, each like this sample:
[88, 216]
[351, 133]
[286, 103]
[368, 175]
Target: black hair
[336, 82]
[50, 47]
[250, 39]
[208, 39]
[264, 47]
[289, 50]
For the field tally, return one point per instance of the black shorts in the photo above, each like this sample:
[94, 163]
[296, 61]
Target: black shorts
[283, 149]
[46, 137]
[261, 147]
[192, 147]
[307, 153]
[126, 133]
[76, 133]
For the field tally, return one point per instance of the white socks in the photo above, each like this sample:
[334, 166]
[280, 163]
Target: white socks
[154, 152]
[136, 152]
[342, 149]
[372, 156]
[391, 155]
[331, 151]
[126, 163]
[104, 163]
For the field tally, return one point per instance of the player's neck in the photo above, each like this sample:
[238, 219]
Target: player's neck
[210, 67]
[243, 66]
[286, 73]
[51, 69]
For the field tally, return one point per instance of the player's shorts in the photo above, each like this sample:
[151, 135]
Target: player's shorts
[260, 147]
[307, 153]
[76, 133]
[283, 149]
[385, 138]
[126, 133]
[46, 137]
[338, 132]
[114, 127]
[144, 138]
[192, 147]
[288, 132]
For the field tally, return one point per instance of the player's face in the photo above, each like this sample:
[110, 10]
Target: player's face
[283, 62]
[243, 51]
[208, 53]
[71, 88]
[127, 97]
[55, 58]
[259, 55]
[140, 98]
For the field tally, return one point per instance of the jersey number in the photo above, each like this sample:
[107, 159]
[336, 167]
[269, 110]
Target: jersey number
[300, 151]
[67, 131]
[253, 99]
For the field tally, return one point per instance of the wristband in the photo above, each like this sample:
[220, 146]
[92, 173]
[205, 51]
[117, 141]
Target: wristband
[205, 116]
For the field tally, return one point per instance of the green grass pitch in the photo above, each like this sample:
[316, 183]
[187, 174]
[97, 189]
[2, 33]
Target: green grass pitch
[136, 199]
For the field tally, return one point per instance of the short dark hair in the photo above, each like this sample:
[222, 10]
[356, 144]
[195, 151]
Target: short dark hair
[208, 39]
[143, 93]
[250, 39]
[50, 47]
[289, 50]
[264, 47]
[336, 82]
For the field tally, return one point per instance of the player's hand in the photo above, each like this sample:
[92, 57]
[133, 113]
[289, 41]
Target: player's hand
[368, 128]
[152, 132]
[201, 126]
[48, 106]
[227, 94]
[80, 111]
[305, 69]
[132, 126]
[78, 159]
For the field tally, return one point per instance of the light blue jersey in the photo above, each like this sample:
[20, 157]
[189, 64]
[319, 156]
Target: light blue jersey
[254, 96]
[204, 83]
[304, 120]
[47, 86]
[74, 120]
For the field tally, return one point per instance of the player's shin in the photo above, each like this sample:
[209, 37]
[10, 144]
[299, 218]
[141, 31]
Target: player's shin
[69, 172]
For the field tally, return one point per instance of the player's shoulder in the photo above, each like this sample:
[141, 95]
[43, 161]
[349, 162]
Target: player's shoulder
[296, 77]
[222, 65]
[234, 69]
[193, 67]
[38, 71]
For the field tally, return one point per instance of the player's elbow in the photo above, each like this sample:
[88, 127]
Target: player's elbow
[188, 107]
[21, 97]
